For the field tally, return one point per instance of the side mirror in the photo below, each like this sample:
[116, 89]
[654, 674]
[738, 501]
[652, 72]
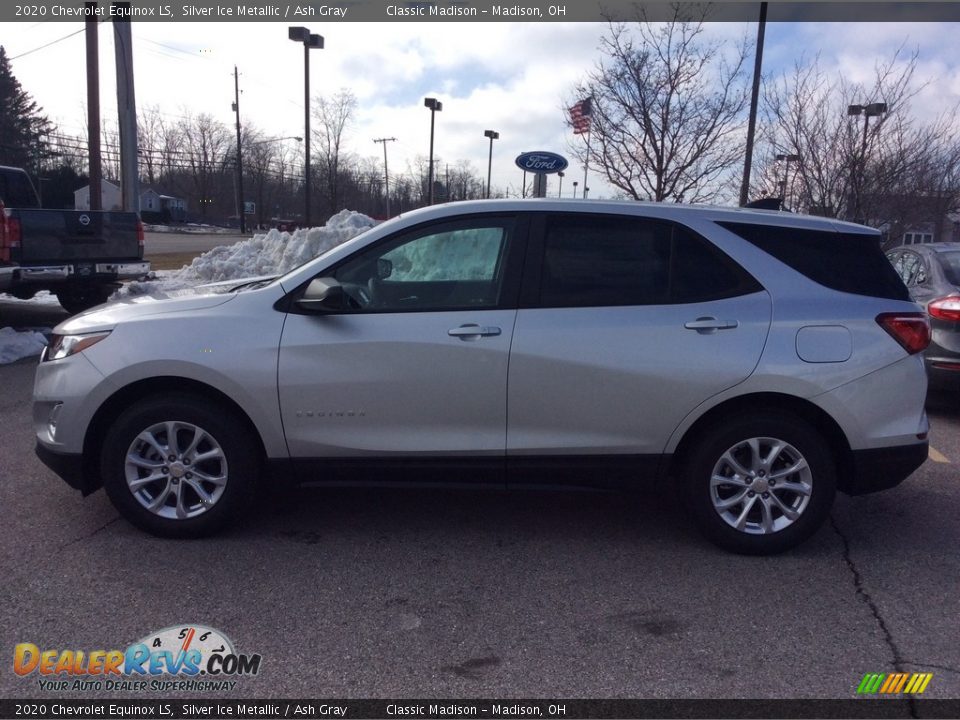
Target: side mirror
[323, 295]
[384, 268]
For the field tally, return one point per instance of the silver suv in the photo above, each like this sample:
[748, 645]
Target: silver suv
[759, 361]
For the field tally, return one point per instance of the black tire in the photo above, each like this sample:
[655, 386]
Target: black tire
[755, 538]
[222, 430]
[76, 300]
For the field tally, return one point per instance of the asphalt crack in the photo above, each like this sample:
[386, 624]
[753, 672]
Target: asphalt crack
[89, 534]
[921, 665]
[861, 592]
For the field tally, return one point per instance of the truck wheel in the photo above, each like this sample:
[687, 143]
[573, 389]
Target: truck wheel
[179, 466]
[75, 300]
[760, 484]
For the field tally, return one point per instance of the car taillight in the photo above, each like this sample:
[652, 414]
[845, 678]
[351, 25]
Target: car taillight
[946, 308]
[9, 233]
[139, 232]
[13, 232]
[911, 330]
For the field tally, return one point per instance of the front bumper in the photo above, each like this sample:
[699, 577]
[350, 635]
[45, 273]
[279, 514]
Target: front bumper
[883, 468]
[70, 467]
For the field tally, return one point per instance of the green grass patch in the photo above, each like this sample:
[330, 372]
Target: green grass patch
[172, 261]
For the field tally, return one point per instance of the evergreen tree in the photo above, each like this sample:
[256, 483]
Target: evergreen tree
[22, 126]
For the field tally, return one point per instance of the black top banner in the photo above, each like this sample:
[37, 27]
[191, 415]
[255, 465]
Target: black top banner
[472, 709]
[471, 11]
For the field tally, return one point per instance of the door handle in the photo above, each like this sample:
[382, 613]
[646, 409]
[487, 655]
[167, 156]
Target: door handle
[709, 325]
[469, 332]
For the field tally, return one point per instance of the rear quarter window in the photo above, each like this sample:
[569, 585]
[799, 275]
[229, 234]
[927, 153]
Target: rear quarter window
[848, 262]
[16, 190]
[950, 262]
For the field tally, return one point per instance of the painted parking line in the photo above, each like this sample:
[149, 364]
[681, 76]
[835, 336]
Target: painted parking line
[937, 456]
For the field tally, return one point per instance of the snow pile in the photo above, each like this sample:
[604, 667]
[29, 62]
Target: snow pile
[18, 345]
[273, 253]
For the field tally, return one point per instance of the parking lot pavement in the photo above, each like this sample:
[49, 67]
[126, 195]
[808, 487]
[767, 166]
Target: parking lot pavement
[455, 593]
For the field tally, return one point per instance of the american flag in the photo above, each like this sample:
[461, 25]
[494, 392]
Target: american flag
[580, 116]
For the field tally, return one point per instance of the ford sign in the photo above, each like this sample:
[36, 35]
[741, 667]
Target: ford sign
[541, 161]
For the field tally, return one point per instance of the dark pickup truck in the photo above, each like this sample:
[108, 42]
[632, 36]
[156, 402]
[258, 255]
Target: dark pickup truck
[79, 255]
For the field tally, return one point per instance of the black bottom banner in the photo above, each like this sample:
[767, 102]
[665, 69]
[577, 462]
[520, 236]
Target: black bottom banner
[471, 709]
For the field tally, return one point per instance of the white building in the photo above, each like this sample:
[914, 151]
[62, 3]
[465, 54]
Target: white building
[110, 197]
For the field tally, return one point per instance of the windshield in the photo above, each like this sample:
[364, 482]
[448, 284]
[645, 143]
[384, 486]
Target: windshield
[950, 261]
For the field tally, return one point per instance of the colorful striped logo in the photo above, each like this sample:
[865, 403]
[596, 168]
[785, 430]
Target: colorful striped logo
[894, 683]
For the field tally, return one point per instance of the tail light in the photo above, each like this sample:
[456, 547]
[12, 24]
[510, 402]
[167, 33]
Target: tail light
[945, 308]
[911, 330]
[13, 232]
[9, 234]
[139, 232]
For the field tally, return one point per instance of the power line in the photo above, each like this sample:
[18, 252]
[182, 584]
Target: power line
[52, 42]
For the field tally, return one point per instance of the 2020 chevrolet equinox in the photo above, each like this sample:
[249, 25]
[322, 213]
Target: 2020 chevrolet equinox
[757, 360]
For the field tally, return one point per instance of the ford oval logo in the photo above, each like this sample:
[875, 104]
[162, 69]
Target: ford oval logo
[84, 220]
[541, 161]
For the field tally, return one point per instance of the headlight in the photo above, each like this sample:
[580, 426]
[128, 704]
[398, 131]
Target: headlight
[62, 346]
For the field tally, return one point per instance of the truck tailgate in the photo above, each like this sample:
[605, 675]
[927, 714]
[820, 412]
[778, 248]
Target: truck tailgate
[65, 235]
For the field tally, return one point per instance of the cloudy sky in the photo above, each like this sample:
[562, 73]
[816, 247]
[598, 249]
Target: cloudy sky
[511, 77]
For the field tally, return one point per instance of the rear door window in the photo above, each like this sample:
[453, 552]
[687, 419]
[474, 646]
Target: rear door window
[596, 260]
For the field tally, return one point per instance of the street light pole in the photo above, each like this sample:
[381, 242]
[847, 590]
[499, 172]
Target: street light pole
[754, 95]
[560, 188]
[386, 173]
[435, 107]
[493, 135]
[310, 42]
[856, 181]
[575, 183]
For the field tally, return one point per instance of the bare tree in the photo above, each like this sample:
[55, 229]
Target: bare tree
[667, 108]
[150, 141]
[333, 116]
[844, 161]
[206, 144]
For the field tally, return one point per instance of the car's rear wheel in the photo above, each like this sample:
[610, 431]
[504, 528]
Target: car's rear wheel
[760, 484]
[179, 465]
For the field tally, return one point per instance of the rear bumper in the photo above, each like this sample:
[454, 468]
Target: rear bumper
[82, 271]
[70, 468]
[883, 468]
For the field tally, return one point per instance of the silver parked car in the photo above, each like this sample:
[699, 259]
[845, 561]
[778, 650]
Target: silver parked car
[759, 361]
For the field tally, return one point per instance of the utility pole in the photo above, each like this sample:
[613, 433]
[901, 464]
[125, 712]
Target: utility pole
[242, 211]
[386, 172]
[93, 105]
[126, 107]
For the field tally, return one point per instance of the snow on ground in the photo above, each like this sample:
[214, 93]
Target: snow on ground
[18, 345]
[44, 297]
[273, 253]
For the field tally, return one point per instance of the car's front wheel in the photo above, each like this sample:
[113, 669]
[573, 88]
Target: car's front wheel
[760, 484]
[179, 465]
